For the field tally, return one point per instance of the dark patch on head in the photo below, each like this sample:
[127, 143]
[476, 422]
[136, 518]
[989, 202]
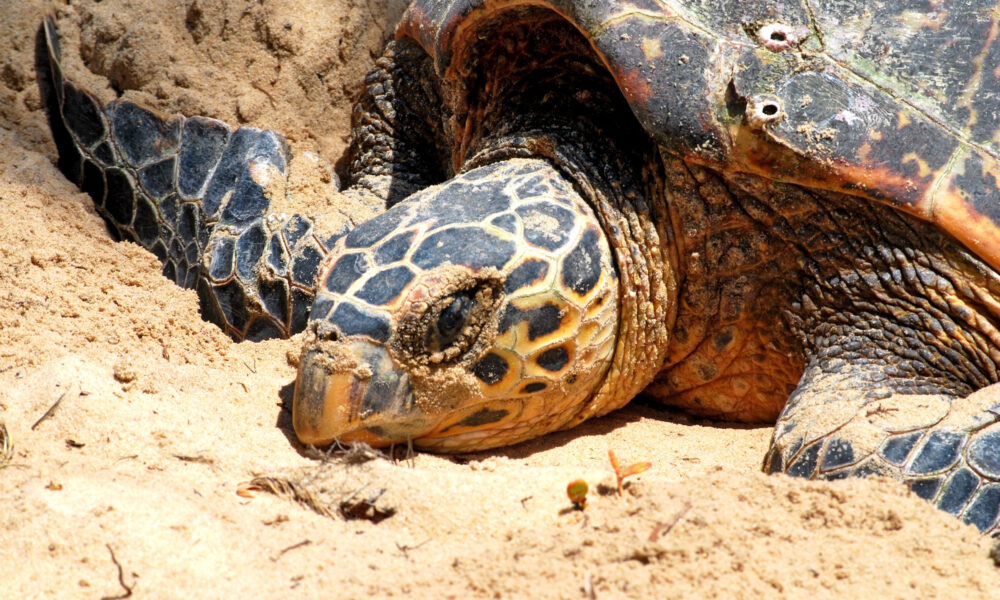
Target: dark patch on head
[202, 143]
[462, 202]
[541, 321]
[192, 254]
[346, 271]
[170, 272]
[385, 286]
[533, 387]
[546, 225]
[491, 368]
[553, 359]
[582, 268]
[506, 222]
[525, 274]
[469, 246]
[208, 304]
[373, 230]
[351, 320]
[482, 417]
[143, 137]
[394, 248]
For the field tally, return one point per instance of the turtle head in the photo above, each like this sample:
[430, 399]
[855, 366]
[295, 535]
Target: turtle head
[477, 313]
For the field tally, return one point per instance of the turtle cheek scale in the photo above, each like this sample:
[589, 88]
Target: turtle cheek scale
[537, 341]
[552, 349]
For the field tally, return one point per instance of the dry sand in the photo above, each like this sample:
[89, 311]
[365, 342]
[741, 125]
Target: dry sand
[162, 420]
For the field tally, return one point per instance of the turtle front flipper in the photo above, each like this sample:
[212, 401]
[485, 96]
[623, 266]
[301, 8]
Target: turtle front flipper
[848, 418]
[197, 194]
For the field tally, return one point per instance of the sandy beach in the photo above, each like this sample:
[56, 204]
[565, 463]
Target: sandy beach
[141, 479]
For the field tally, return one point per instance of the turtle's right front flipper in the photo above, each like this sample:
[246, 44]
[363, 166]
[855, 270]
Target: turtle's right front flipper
[197, 194]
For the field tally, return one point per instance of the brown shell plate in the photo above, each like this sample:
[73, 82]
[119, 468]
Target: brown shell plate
[898, 102]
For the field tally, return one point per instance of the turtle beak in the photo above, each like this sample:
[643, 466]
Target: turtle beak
[354, 392]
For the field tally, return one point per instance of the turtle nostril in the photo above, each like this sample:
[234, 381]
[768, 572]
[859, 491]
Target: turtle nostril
[762, 111]
[326, 332]
[777, 37]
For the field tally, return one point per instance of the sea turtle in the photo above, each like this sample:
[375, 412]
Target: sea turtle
[749, 210]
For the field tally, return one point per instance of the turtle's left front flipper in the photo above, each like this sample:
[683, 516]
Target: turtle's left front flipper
[199, 195]
[853, 418]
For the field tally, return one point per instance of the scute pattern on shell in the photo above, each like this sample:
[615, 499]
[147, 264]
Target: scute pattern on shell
[894, 102]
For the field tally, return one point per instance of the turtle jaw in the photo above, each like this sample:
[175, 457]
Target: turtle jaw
[353, 392]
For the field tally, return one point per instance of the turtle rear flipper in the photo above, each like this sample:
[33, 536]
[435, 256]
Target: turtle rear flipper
[854, 420]
[198, 195]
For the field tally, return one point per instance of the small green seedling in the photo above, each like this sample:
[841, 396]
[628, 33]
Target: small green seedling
[577, 492]
[621, 474]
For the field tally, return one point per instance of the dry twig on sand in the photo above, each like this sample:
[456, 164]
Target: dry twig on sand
[6, 447]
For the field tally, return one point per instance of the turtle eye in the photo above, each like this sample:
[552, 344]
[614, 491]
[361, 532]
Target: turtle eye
[452, 319]
[446, 329]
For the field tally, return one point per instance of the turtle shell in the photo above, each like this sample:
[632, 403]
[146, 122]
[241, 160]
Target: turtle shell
[898, 102]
